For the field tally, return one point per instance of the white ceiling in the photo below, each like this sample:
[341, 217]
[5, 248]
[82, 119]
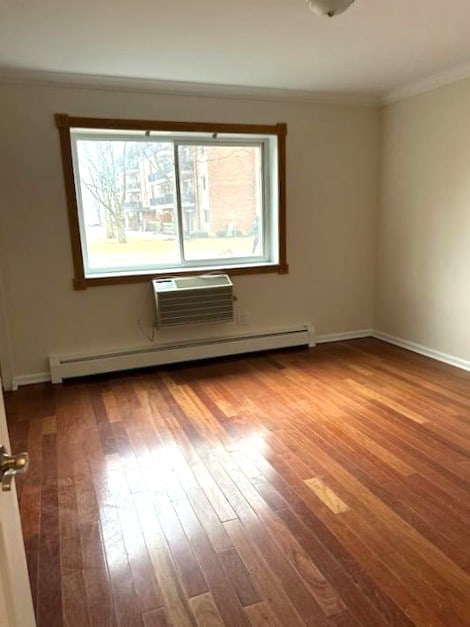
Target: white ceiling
[373, 48]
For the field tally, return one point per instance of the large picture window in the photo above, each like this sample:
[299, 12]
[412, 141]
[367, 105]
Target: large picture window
[151, 198]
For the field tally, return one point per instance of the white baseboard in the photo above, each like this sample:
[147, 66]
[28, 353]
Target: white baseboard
[340, 337]
[29, 379]
[41, 377]
[464, 364]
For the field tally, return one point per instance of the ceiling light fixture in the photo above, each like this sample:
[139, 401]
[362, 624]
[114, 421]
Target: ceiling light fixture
[328, 7]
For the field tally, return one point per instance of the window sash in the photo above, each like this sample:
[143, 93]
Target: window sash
[177, 142]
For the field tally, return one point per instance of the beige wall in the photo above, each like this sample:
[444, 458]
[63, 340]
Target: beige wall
[423, 279]
[422, 292]
[333, 156]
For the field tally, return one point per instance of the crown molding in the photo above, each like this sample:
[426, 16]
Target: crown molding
[429, 83]
[174, 88]
[245, 92]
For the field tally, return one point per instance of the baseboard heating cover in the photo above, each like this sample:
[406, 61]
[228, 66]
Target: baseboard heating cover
[79, 366]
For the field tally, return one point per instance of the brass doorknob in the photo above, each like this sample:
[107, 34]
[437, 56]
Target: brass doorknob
[11, 465]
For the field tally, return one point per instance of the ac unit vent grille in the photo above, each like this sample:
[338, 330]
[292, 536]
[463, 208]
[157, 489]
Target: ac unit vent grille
[190, 300]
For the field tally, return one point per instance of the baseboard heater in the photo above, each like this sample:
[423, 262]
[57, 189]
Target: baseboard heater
[79, 366]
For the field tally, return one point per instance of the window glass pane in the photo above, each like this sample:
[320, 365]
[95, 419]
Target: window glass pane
[128, 204]
[221, 201]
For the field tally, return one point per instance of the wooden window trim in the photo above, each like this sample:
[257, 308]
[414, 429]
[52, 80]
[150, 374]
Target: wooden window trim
[65, 123]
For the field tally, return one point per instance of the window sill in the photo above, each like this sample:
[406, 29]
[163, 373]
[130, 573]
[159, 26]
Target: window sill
[85, 282]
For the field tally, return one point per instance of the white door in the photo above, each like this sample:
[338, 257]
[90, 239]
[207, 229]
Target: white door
[16, 606]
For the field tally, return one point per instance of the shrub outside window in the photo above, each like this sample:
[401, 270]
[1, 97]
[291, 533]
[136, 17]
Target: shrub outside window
[159, 198]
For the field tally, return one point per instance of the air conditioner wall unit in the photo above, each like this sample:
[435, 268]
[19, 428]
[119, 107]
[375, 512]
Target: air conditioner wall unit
[195, 299]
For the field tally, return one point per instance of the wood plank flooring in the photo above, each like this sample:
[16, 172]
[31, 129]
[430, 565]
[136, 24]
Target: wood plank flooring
[314, 487]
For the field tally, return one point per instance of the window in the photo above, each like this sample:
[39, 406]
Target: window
[159, 198]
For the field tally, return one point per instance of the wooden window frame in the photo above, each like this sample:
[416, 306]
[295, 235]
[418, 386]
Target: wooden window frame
[65, 123]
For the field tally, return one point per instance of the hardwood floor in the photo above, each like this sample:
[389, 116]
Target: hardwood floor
[321, 487]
